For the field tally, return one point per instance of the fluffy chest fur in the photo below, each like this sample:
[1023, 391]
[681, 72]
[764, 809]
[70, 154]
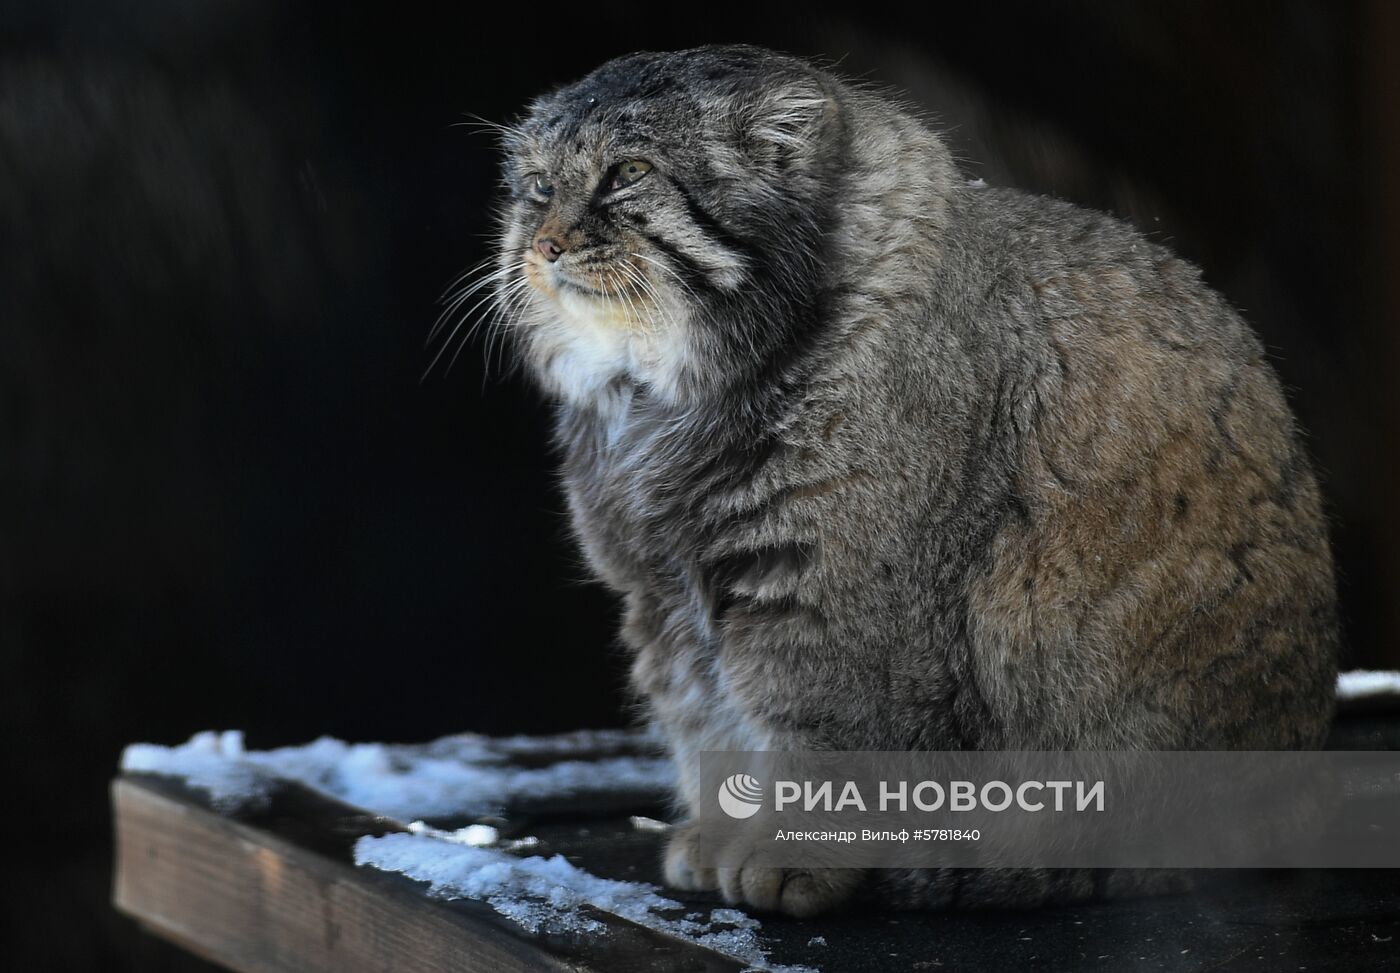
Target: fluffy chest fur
[646, 497]
[591, 346]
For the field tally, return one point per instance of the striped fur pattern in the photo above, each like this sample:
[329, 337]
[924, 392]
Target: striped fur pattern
[879, 460]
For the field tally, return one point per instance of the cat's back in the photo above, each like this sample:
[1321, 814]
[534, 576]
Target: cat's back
[1054, 260]
[1167, 498]
[1106, 336]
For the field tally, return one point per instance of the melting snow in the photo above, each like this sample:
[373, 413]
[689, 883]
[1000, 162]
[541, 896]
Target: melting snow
[459, 776]
[549, 893]
[642, 823]
[473, 835]
[1361, 683]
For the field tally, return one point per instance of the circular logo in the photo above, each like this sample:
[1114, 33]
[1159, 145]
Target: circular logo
[740, 796]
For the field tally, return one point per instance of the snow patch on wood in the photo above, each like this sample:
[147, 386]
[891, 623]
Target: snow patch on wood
[1363, 683]
[550, 894]
[458, 776]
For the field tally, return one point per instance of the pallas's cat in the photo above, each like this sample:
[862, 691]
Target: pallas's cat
[877, 460]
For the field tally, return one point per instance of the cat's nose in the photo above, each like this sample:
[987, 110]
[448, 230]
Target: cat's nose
[549, 248]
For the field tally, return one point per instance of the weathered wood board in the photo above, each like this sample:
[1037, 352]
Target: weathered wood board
[275, 890]
[278, 893]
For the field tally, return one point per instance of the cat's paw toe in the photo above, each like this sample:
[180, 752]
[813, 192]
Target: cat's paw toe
[809, 893]
[798, 892]
[679, 866]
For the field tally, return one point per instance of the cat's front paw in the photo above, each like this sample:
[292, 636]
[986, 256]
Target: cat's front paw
[799, 892]
[680, 864]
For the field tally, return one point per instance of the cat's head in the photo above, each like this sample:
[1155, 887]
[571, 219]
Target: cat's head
[665, 218]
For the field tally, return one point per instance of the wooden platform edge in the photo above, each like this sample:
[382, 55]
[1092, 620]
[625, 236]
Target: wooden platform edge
[245, 899]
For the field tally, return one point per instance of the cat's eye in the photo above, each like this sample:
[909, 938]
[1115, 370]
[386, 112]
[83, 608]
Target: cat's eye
[626, 173]
[543, 186]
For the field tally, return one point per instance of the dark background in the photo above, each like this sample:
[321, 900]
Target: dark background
[226, 500]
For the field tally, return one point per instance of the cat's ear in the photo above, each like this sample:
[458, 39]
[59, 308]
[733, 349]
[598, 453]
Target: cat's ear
[785, 125]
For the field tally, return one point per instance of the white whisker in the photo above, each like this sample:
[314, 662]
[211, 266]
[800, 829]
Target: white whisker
[492, 300]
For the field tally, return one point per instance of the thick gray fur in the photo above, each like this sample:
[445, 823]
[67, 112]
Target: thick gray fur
[877, 460]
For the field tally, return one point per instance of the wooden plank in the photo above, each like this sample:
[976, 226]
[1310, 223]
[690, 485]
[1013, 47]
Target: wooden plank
[251, 901]
[274, 890]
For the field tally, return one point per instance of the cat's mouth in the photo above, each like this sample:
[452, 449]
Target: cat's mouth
[552, 280]
[615, 291]
[569, 284]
